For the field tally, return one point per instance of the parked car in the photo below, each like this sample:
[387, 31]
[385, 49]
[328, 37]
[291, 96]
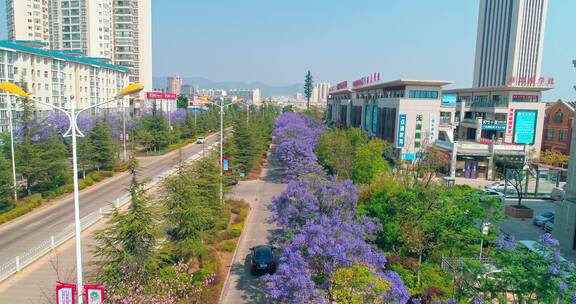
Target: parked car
[263, 259]
[232, 182]
[495, 186]
[201, 140]
[543, 218]
[549, 227]
[488, 193]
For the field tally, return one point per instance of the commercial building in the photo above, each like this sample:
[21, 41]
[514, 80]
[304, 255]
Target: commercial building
[408, 114]
[57, 78]
[510, 42]
[174, 85]
[119, 30]
[490, 123]
[28, 20]
[558, 126]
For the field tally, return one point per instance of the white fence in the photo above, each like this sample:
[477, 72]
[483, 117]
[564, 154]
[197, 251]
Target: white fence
[16, 264]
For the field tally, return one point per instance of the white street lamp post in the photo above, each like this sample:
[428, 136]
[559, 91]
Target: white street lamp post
[12, 149]
[72, 131]
[124, 152]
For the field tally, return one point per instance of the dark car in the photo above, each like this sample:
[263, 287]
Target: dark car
[263, 259]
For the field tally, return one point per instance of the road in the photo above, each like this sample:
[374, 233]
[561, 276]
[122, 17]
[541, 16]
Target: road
[241, 286]
[21, 234]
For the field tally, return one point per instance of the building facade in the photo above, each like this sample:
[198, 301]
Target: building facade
[408, 114]
[28, 20]
[117, 30]
[320, 93]
[558, 126]
[509, 42]
[252, 96]
[493, 123]
[57, 78]
[174, 85]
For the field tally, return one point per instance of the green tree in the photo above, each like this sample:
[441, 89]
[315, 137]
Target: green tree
[102, 145]
[308, 87]
[336, 152]
[370, 161]
[6, 186]
[125, 249]
[246, 144]
[182, 101]
[358, 284]
[54, 169]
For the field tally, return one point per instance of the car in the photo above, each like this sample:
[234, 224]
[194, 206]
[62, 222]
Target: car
[263, 259]
[232, 182]
[201, 140]
[488, 193]
[497, 186]
[543, 218]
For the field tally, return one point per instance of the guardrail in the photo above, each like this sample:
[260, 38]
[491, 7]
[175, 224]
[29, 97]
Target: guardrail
[28, 257]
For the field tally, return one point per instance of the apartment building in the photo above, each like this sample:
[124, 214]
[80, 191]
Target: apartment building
[57, 77]
[28, 20]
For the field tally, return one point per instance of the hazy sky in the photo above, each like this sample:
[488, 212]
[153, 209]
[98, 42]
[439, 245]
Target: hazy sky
[276, 41]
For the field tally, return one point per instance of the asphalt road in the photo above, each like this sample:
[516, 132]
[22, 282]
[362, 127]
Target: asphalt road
[241, 286]
[27, 231]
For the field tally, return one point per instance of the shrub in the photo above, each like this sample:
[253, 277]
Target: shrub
[24, 206]
[120, 167]
[96, 176]
[6, 205]
[236, 229]
[226, 246]
[82, 185]
[107, 173]
[69, 188]
[243, 213]
[88, 181]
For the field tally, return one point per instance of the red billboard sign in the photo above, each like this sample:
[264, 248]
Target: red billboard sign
[342, 85]
[160, 95]
[65, 293]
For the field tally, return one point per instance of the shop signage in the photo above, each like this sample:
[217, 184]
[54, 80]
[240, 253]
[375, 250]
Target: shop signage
[408, 156]
[496, 125]
[432, 134]
[525, 98]
[449, 100]
[374, 119]
[160, 95]
[65, 293]
[525, 126]
[226, 164]
[401, 130]
[532, 81]
[94, 294]
[342, 85]
[510, 122]
[368, 79]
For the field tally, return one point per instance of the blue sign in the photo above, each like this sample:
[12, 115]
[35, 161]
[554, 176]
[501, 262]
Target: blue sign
[226, 164]
[494, 127]
[449, 100]
[408, 156]
[374, 119]
[401, 130]
[525, 126]
[366, 118]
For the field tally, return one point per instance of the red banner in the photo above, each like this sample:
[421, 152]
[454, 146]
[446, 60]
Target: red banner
[65, 293]
[160, 95]
[94, 294]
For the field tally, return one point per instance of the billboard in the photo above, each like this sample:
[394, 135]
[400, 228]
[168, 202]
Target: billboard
[374, 119]
[401, 130]
[160, 95]
[65, 293]
[449, 100]
[525, 126]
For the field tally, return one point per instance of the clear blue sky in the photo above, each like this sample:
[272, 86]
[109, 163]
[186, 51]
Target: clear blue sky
[276, 41]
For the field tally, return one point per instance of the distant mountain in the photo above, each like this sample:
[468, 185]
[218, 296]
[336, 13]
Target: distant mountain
[267, 90]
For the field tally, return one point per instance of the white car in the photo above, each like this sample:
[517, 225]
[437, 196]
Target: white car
[500, 187]
[487, 193]
[201, 140]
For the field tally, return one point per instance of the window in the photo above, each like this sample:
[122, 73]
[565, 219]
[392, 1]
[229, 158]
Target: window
[445, 118]
[563, 135]
[417, 144]
[558, 116]
[419, 94]
[549, 134]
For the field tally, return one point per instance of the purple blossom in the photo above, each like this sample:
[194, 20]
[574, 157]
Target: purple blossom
[451, 301]
[478, 300]
[562, 286]
[547, 240]
[506, 243]
[178, 116]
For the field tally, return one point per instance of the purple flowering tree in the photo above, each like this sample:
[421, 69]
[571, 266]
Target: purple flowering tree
[539, 275]
[323, 234]
[296, 136]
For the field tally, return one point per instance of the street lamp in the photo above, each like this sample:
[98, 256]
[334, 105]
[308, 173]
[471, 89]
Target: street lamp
[221, 106]
[72, 131]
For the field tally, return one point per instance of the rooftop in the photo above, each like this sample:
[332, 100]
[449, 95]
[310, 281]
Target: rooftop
[499, 89]
[404, 82]
[23, 46]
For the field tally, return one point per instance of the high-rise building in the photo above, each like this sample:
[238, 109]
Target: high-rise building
[28, 20]
[188, 90]
[175, 84]
[133, 38]
[509, 42]
[84, 26]
[119, 30]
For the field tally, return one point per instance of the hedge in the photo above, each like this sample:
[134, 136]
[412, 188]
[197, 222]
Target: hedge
[23, 206]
